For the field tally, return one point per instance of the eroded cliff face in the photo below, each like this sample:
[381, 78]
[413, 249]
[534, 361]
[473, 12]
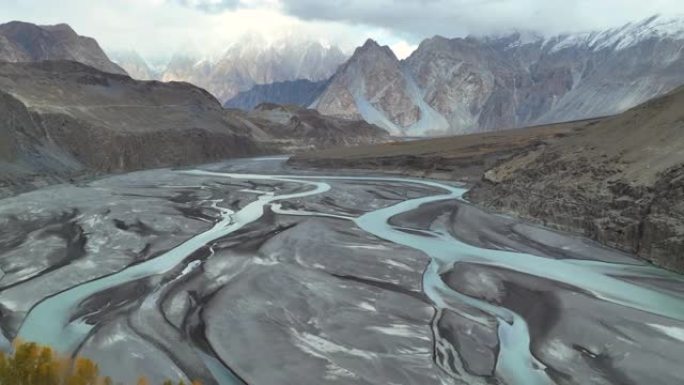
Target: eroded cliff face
[473, 84]
[374, 86]
[619, 181]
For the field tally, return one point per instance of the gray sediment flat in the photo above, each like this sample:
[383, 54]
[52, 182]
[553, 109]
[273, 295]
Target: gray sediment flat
[249, 272]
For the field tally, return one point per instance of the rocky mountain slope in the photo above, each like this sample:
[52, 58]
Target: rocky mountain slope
[487, 83]
[460, 157]
[26, 42]
[370, 81]
[618, 180]
[255, 61]
[300, 92]
[61, 119]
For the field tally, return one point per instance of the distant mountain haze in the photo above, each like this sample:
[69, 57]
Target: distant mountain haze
[135, 65]
[299, 92]
[255, 62]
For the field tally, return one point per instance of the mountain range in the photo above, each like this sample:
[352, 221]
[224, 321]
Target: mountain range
[473, 84]
[452, 86]
[62, 119]
[250, 62]
[448, 86]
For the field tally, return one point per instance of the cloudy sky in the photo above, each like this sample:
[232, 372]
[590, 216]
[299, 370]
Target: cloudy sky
[158, 28]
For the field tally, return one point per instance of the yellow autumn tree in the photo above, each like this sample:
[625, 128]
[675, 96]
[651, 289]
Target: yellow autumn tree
[32, 364]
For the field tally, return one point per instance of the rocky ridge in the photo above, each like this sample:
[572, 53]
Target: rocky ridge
[61, 119]
[26, 42]
[474, 84]
[254, 61]
[294, 128]
[620, 181]
[300, 92]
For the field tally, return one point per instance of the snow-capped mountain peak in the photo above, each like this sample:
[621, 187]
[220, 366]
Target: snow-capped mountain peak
[255, 59]
[654, 27]
[494, 82]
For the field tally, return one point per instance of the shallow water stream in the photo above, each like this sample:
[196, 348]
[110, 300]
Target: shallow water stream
[58, 319]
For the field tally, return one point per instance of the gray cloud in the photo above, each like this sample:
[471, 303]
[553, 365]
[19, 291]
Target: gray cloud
[417, 19]
[421, 18]
[158, 28]
[209, 6]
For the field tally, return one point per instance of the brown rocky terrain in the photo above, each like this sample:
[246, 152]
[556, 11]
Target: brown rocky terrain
[618, 180]
[464, 157]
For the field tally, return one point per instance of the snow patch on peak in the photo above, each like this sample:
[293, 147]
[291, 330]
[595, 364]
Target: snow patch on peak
[625, 36]
[516, 38]
[633, 33]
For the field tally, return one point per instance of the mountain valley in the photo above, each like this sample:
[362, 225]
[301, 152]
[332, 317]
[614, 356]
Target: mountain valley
[501, 208]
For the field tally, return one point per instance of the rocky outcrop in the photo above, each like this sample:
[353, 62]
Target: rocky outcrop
[373, 85]
[26, 42]
[253, 61]
[474, 84]
[293, 128]
[619, 181]
[300, 92]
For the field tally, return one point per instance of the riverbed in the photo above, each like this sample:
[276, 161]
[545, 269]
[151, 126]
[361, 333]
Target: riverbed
[248, 272]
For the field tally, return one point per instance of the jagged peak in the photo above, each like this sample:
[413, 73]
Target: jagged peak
[370, 43]
[61, 27]
[655, 26]
[372, 46]
[17, 23]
